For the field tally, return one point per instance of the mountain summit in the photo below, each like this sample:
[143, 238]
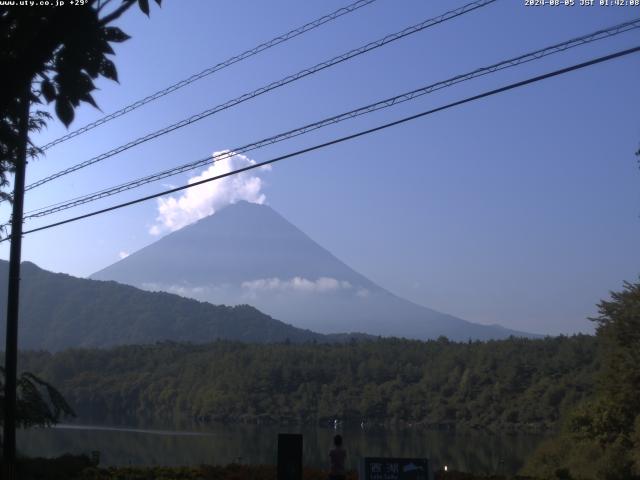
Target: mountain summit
[249, 254]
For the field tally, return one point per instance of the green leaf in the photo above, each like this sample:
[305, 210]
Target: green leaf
[89, 99]
[114, 34]
[108, 70]
[106, 48]
[144, 6]
[48, 90]
[84, 84]
[64, 110]
[92, 64]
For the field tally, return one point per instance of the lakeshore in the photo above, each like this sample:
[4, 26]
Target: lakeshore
[145, 445]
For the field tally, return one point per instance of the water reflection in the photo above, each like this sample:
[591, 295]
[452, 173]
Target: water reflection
[256, 444]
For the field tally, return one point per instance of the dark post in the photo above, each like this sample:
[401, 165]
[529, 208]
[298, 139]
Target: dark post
[13, 294]
[289, 456]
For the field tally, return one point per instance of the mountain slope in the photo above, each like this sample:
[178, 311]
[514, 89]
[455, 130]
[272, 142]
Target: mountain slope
[58, 311]
[248, 253]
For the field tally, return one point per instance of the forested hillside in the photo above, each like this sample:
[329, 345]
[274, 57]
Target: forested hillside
[59, 311]
[514, 384]
[600, 438]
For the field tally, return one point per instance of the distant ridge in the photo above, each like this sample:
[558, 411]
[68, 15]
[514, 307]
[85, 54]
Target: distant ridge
[59, 311]
[248, 253]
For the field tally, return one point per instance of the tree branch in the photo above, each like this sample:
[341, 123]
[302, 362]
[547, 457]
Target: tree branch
[117, 13]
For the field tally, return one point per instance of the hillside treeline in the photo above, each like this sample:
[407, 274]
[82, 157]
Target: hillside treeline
[59, 311]
[600, 438]
[514, 384]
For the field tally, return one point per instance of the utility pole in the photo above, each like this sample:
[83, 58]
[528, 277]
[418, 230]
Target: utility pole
[13, 293]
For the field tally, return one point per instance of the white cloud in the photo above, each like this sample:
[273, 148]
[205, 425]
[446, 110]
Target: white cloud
[123, 255]
[192, 291]
[297, 284]
[204, 200]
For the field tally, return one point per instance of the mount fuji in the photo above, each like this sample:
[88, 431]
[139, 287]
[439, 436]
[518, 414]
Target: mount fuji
[247, 253]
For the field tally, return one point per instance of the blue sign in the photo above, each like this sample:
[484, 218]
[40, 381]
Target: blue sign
[378, 468]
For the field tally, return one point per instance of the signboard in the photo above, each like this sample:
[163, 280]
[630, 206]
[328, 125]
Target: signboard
[375, 468]
[289, 456]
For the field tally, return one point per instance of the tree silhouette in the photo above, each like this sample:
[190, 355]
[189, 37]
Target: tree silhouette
[55, 54]
[49, 54]
[39, 403]
[601, 437]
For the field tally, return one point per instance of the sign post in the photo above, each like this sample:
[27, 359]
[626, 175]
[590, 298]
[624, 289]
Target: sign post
[289, 456]
[380, 468]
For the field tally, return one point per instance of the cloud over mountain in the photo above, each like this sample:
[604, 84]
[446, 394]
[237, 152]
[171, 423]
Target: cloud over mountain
[299, 284]
[175, 212]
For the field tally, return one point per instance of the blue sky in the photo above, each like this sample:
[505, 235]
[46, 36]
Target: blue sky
[521, 209]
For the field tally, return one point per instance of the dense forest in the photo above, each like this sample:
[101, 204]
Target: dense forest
[515, 384]
[600, 438]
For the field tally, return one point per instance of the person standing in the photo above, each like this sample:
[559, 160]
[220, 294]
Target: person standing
[337, 457]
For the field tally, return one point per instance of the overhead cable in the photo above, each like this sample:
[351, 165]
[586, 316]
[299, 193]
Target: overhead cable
[379, 105]
[213, 69]
[345, 138]
[267, 88]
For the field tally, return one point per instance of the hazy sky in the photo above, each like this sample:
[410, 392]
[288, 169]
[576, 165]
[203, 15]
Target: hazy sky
[521, 209]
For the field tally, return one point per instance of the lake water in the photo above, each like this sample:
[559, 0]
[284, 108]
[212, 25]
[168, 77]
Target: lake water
[257, 444]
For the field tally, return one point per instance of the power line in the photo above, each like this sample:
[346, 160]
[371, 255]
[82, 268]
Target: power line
[215, 68]
[272, 86]
[382, 104]
[346, 138]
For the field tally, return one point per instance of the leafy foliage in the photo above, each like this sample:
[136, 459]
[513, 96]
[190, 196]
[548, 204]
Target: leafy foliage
[79, 468]
[38, 403]
[53, 55]
[514, 384]
[601, 438]
[65, 467]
